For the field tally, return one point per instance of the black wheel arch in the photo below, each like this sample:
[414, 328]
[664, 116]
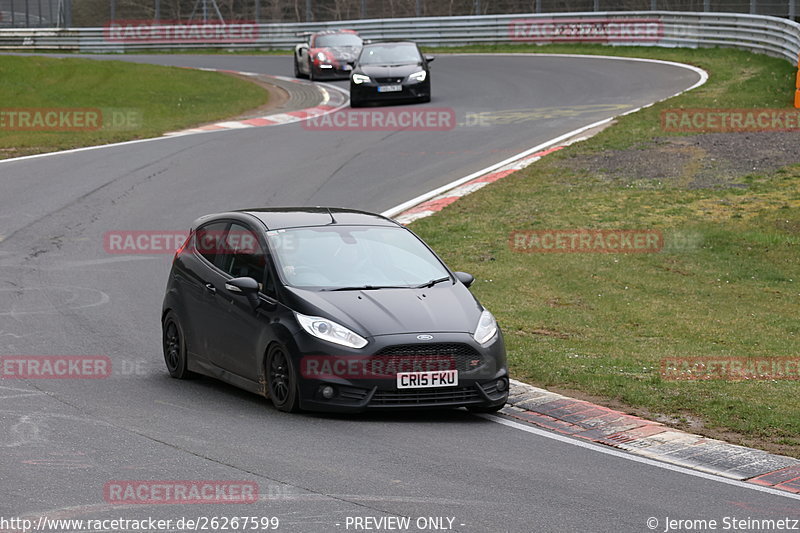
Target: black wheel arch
[284, 338]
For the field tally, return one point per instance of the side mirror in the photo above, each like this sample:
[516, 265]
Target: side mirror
[429, 58]
[247, 287]
[465, 278]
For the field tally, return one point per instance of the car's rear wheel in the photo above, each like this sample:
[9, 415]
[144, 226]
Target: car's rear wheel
[174, 344]
[281, 379]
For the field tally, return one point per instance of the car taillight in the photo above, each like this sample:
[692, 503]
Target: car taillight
[183, 246]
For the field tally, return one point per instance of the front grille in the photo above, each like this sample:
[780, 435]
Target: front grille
[413, 397]
[461, 357]
[389, 80]
[490, 389]
[353, 394]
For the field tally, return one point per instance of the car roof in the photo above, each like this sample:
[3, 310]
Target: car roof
[296, 217]
[334, 32]
[383, 43]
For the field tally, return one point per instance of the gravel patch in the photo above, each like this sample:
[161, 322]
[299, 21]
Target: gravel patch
[709, 160]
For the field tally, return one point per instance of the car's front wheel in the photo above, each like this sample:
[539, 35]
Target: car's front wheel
[174, 344]
[281, 379]
[311, 70]
[296, 68]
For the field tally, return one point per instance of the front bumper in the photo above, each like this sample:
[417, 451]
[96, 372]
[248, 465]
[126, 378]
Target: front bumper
[369, 91]
[330, 71]
[350, 399]
[479, 370]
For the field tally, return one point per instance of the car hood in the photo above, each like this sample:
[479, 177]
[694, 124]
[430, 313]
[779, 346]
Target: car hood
[387, 71]
[439, 309]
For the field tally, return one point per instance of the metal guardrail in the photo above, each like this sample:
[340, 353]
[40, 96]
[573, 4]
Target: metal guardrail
[762, 34]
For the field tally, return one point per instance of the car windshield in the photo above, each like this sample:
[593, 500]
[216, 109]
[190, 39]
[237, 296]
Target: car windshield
[390, 54]
[338, 39]
[352, 257]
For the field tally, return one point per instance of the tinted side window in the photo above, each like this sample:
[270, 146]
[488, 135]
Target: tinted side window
[243, 254]
[208, 240]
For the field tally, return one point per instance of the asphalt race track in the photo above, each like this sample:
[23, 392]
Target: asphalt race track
[62, 441]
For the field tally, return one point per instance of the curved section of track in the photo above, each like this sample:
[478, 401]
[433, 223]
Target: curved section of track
[63, 440]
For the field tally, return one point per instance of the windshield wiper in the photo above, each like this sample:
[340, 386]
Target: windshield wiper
[367, 288]
[427, 284]
[432, 282]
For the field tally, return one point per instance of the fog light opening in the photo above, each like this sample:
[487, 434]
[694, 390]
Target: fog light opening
[327, 392]
[502, 384]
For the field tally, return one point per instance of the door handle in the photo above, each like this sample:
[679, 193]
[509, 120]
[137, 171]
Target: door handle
[210, 288]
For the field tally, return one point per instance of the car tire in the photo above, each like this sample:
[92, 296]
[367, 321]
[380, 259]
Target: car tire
[297, 73]
[174, 345]
[281, 379]
[425, 99]
[311, 76]
[356, 103]
[484, 409]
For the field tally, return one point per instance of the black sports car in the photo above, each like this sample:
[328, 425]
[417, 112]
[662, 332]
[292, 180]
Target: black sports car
[329, 309]
[390, 71]
[327, 55]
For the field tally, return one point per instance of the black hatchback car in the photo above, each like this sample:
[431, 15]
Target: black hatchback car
[329, 309]
[390, 71]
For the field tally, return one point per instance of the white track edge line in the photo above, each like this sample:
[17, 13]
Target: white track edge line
[396, 210]
[530, 429]
[638, 459]
[171, 135]
[453, 184]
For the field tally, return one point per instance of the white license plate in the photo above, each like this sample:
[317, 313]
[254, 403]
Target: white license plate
[389, 88]
[420, 380]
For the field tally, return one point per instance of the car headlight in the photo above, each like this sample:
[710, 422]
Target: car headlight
[330, 331]
[487, 328]
[322, 57]
[418, 76]
[358, 79]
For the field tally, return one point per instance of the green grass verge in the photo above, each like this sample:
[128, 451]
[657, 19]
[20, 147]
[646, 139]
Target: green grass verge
[135, 101]
[599, 324]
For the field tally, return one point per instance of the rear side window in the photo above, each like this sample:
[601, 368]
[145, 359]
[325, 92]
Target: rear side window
[243, 254]
[208, 240]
